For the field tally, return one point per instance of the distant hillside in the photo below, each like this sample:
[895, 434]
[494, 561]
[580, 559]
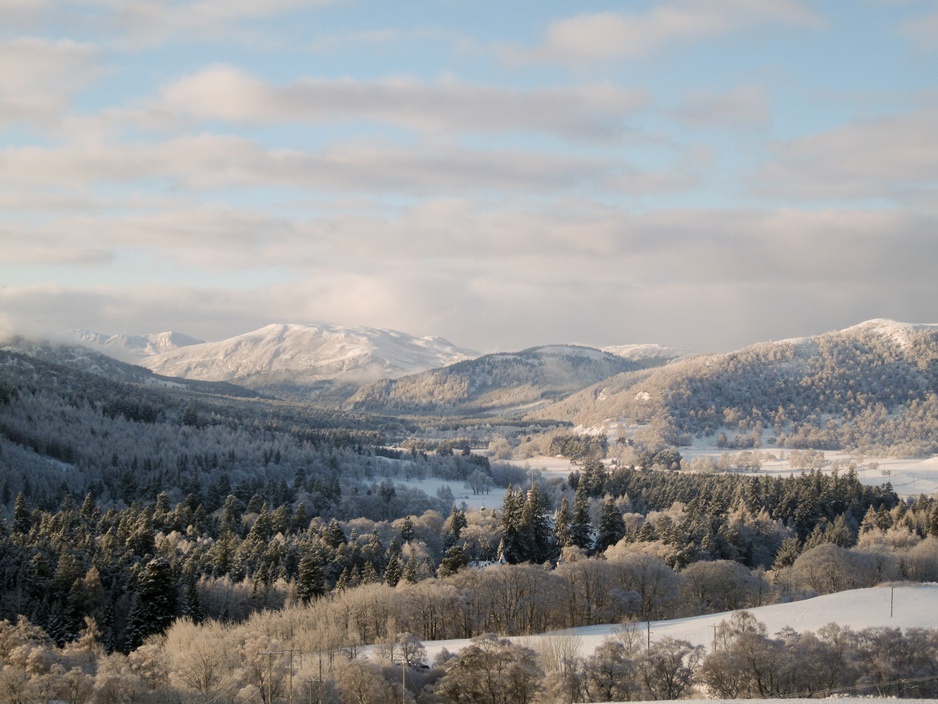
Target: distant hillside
[495, 383]
[873, 386]
[302, 355]
[84, 359]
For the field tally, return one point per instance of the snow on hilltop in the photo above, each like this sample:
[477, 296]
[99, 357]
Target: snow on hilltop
[308, 353]
[131, 347]
[645, 352]
[896, 331]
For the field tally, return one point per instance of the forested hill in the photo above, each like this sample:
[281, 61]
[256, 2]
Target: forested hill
[68, 431]
[872, 387]
[496, 383]
[78, 358]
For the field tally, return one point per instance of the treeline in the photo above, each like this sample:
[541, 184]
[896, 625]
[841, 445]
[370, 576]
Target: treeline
[719, 516]
[88, 560]
[319, 650]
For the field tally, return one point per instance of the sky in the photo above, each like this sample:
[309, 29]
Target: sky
[702, 174]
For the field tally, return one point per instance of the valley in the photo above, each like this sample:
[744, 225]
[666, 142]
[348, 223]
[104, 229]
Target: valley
[559, 489]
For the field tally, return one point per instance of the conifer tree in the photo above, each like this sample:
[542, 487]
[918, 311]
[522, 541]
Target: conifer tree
[510, 549]
[611, 526]
[193, 608]
[562, 524]
[787, 553]
[454, 560]
[154, 603]
[21, 518]
[333, 536]
[407, 529]
[534, 530]
[453, 526]
[410, 571]
[580, 529]
[310, 583]
[394, 571]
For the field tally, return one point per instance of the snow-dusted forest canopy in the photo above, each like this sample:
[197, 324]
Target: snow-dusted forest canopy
[872, 388]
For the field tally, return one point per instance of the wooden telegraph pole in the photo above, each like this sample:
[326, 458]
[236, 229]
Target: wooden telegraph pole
[270, 669]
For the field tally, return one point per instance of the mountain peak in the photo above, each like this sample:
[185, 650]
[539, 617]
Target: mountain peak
[307, 353]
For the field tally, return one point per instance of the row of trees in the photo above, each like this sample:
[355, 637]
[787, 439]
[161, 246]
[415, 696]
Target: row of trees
[278, 657]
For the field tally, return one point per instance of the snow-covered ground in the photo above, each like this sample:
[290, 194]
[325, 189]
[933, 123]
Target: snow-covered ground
[905, 606]
[464, 497]
[909, 477]
[837, 700]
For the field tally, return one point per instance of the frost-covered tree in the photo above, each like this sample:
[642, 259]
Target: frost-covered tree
[154, 601]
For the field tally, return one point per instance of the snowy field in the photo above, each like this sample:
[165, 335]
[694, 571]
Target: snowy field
[913, 606]
[903, 606]
[834, 700]
[464, 497]
[909, 477]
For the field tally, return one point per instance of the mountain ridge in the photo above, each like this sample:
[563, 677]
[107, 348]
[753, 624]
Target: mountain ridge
[307, 354]
[872, 386]
[502, 382]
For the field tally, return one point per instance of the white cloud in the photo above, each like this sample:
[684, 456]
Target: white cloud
[38, 77]
[888, 157]
[138, 24]
[227, 93]
[922, 31]
[611, 35]
[504, 278]
[742, 107]
[213, 161]
[20, 13]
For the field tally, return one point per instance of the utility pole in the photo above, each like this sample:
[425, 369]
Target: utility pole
[320, 677]
[270, 669]
[291, 651]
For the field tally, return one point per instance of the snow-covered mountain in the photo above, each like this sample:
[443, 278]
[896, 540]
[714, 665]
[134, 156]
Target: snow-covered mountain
[873, 386]
[306, 354]
[131, 348]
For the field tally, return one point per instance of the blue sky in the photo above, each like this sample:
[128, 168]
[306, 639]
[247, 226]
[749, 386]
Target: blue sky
[698, 173]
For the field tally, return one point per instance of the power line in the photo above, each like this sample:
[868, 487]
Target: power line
[852, 688]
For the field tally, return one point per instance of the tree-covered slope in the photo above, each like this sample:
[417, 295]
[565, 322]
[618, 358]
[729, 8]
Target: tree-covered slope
[66, 430]
[80, 358]
[494, 383]
[873, 386]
